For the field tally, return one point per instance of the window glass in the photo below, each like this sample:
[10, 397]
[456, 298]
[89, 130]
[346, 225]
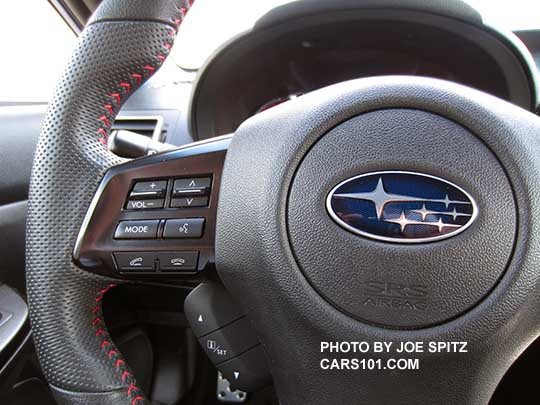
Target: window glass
[35, 45]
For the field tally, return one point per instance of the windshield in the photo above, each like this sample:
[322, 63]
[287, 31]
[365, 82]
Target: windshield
[36, 43]
[211, 23]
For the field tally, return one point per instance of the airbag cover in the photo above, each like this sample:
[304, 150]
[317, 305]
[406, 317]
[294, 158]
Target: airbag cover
[401, 284]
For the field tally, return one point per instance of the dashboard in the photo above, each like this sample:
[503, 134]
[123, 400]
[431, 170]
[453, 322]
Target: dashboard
[292, 53]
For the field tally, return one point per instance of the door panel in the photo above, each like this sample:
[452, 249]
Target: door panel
[19, 129]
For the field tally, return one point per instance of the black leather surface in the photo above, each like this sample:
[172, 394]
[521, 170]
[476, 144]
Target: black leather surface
[64, 397]
[162, 11]
[114, 56]
[252, 250]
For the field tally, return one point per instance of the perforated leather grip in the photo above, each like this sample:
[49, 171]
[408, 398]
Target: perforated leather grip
[124, 44]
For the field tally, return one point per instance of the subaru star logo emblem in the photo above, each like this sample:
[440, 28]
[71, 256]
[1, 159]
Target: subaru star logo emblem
[404, 207]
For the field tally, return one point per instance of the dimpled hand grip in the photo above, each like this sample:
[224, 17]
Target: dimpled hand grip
[125, 42]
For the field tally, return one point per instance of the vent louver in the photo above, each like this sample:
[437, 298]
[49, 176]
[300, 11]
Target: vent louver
[151, 126]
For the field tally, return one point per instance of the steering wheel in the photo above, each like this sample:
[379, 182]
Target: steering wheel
[289, 227]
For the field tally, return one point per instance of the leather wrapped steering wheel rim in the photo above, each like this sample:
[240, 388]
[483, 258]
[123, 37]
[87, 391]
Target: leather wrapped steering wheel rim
[124, 44]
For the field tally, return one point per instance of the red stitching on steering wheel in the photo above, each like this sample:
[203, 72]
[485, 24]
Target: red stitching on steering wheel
[114, 355]
[126, 87]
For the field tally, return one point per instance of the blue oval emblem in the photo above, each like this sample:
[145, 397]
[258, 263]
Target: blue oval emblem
[404, 207]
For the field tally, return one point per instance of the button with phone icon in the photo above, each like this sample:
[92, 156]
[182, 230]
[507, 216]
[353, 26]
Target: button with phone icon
[178, 261]
[135, 261]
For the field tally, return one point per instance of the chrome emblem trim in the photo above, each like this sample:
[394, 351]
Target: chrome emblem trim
[401, 207]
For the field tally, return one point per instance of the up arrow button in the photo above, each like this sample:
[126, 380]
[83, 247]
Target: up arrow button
[198, 187]
[195, 182]
[209, 307]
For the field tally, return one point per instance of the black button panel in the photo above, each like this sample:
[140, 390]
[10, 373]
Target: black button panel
[162, 199]
[180, 228]
[130, 210]
[156, 262]
[226, 336]
[144, 229]
[191, 192]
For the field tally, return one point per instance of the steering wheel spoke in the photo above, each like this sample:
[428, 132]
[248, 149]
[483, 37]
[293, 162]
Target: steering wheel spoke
[154, 218]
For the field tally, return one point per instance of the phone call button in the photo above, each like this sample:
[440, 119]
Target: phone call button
[135, 261]
[178, 261]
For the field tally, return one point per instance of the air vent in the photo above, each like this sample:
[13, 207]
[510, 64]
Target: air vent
[151, 126]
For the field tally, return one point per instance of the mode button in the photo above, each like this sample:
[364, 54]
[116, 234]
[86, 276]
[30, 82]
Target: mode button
[146, 229]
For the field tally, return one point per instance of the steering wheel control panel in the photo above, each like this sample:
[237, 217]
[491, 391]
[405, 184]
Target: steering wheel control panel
[160, 229]
[187, 192]
[226, 336]
[184, 261]
[155, 216]
[183, 193]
